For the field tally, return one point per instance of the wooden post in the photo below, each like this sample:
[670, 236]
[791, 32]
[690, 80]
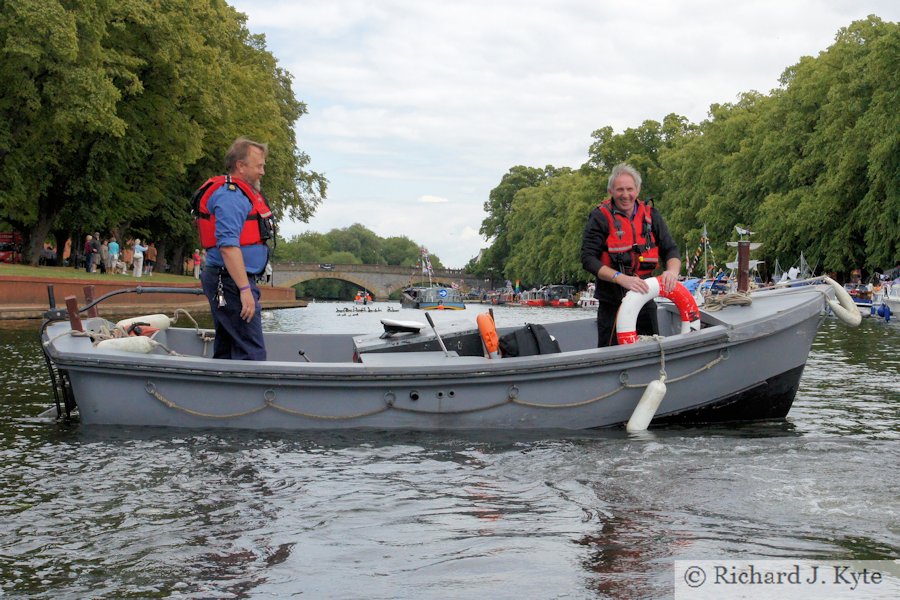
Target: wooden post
[88, 298]
[72, 308]
[743, 266]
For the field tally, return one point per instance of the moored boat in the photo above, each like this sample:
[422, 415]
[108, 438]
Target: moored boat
[561, 296]
[891, 295]
[532, 297]
[586, 298]
[432, 298]
[743, 363]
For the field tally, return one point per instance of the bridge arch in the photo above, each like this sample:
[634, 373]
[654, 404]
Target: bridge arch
[361, 282]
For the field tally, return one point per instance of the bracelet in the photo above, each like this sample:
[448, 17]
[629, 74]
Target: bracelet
[616, 275]
[246, 287]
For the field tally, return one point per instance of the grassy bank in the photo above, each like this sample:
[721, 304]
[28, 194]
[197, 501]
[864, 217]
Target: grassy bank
[72, 273]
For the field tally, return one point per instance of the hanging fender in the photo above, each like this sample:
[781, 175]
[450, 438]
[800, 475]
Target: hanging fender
[626, 322]
[139, 344]
[844, 308]
[488, 332]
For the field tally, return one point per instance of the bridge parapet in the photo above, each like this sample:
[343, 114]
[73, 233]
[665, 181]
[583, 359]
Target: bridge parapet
[412, 271]
[380, 280]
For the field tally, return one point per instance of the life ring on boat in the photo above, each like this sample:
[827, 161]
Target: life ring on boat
[844, 308]
[626, 322]
[488, 332]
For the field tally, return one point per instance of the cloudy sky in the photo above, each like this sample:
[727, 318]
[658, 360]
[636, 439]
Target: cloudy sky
[418, 107]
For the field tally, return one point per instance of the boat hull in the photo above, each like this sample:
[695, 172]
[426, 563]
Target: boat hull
[740, 369]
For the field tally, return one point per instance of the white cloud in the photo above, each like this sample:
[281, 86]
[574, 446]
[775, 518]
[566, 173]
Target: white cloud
[432, 200]
[410, 99]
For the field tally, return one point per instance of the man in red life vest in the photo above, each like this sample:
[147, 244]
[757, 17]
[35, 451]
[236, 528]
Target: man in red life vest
[234, 222]
[623, 243]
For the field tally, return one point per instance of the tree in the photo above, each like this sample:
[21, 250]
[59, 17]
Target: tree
[545, 228]
[498, 205]
[812, 167]
[640, 147]
[113, 112]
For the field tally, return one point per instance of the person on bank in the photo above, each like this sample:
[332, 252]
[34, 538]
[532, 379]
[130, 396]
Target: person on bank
[235, 222]
[624, 242]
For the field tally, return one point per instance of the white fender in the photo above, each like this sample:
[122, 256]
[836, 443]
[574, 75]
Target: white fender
[626, 323]
[844, 307]
[159, 321]
[132, 343]
[647, 406]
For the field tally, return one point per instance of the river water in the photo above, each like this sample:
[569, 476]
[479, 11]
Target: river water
[95, 512]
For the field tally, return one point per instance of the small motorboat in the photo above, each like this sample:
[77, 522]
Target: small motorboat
[740, 363]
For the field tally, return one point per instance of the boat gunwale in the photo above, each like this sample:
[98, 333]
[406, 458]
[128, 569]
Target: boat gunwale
[713, 338]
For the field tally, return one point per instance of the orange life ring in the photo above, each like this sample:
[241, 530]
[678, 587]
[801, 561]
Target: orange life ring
[488, 332]
[626, 322]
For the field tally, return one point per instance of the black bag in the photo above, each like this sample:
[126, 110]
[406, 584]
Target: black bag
[531, 340]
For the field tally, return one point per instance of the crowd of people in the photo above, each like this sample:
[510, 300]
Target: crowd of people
[98, 254]
[106, 255]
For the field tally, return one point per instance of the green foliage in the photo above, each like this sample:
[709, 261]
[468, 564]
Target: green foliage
[356, 245]
[640, 147]
[112, 112]
[499, 205]
[545, 229]
[813, 166]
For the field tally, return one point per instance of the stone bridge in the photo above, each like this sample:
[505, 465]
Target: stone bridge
[379, 280]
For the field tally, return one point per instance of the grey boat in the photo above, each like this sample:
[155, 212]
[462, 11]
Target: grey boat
[743, 364]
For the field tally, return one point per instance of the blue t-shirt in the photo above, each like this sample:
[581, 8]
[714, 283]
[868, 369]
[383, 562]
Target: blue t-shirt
[231, 207]
[114, 247]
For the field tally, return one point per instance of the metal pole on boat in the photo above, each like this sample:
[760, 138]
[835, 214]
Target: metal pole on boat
[89, 300]
[440, 341]
[743, 265]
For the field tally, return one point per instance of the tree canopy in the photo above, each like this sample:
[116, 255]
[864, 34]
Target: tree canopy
[354, 245]
[813, 167]
[112, 112]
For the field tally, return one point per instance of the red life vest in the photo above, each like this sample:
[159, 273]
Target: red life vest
[631, 247]
[259, 224]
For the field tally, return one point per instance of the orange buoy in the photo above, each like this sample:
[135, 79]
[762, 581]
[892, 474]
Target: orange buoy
[488, 332]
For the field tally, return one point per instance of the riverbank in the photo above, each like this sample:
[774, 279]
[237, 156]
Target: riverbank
[25, 296]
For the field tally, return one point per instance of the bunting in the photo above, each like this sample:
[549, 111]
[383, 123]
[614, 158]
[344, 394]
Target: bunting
[702, 246]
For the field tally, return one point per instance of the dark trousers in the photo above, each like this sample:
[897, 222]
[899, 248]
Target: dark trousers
[606, 322]
[235, 338]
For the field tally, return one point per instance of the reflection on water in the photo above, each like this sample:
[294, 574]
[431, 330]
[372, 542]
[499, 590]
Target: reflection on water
[145, 512]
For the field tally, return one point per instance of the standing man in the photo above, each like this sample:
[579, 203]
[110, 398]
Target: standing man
[623, 243]
[234, 222]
